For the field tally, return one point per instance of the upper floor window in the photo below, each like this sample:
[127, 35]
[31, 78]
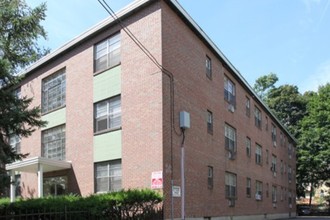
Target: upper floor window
[281, 139]
[274, 135]
[274, 194]
[248, 187]
[210, 177]
[209, 122]
[208, 66]
[290, 150]
[15, 143]
[273, 167]
[108, 176]
[230, 180]
[266, 126]
[248, 146]
[258, 190]
[107, 53]
[53, 143]
[53, 92]
[258, 154]
[247, 107]
[230, 92]
[107, 114]
[257, 117]
[230, 138]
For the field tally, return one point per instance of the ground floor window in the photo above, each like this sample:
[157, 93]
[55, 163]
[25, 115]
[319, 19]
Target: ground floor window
[55, 186]
[108, 176]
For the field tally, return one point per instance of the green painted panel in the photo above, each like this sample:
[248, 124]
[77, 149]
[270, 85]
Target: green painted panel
[54, 118]
[107, 84]
[107, 146]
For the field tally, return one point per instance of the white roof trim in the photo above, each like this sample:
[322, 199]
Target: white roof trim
[31, 165]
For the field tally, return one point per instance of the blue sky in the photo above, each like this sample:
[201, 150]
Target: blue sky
[289, 38]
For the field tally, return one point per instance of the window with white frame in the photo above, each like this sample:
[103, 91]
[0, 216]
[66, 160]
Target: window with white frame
[209, 122]
[230, 96]
[274, 135]
[247, 107]
[273, 167]
[55, 186]
[53, 143]
[281, 139]
[289, 173]
[15, 143]
[210, 177]
[108, 176]
[248, 146]
[248, 187]
[208, 66]
[257, 117]
[230, 138]
[274, 194]
[230, 179]
[53, 92]
[290, 150]
[258, 195]
[107, 53]
[107, 114]
[258, 154]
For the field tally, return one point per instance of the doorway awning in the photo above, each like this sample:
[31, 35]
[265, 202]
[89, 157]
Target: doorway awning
[31, 165]
[39, 165]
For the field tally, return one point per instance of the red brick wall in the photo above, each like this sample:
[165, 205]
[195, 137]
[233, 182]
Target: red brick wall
[184, 55]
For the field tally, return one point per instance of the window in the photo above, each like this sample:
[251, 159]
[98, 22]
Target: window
[267, 156]
[267, 190]
[107, 114]
[230, 138]
[258, 190]
[289, 173]
[282, 167]
[18, 187]
[107, 53]
[258, 154]
[230, 91]
[53, 143]
[230, 179]
[281, 139]
[248, 146]
[290, 198]
[257, 117]
[210, 177]
[266, 123]
[53, 92]
[274, 194]
[208, 65]
[274, 135]
[248, 187]
[247, 107]
[55, 186]
[290, 150]
[108, 176]
[15, 143]
[209, 122]
[273, 167]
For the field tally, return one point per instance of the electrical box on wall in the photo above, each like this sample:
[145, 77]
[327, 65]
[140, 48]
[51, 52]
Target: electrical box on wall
[184, 120]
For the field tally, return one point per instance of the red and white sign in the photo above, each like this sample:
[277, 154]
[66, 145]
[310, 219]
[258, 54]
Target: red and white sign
[157, 180]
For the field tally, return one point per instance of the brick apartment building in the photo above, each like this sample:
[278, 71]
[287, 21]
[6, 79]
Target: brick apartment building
[113, 121]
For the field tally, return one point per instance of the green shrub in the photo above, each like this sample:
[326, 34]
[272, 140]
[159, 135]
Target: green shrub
[129, 204]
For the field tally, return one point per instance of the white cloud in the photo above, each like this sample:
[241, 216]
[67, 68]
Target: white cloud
[321, 76]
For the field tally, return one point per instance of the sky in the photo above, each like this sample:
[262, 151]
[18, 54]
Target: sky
[288, 37]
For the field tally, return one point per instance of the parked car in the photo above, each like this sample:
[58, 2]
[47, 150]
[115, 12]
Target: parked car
[304, 210]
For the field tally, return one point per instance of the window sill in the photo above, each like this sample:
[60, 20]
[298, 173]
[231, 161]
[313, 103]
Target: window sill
[107, 131]
[53, 110]
[104, 70]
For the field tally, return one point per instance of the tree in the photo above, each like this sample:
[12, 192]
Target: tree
[265, 83]
[19, 31]
[314, 141]
[288, 105]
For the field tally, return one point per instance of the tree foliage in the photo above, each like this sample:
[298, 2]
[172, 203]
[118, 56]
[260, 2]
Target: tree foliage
[264, 84]
[314, 140]
[19, 31]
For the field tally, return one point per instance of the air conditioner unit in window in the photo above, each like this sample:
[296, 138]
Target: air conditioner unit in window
[231, 108]
[231, 202]
[231, 155]
[258, 197]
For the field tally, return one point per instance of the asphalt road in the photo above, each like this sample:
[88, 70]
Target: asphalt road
[310, 218]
